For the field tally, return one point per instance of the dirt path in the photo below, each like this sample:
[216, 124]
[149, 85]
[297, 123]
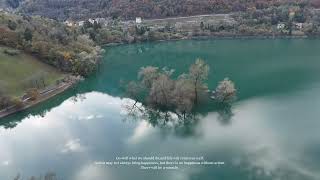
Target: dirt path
[188, 17]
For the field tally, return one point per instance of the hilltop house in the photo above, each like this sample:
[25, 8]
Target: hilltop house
[281, 26]
[80, 23]
[68, 23]
[3, 11]
[91, 21]
[299, 25]
[102, 21]
[138, 20]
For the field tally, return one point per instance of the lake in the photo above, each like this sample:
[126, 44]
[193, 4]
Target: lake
[271, 132]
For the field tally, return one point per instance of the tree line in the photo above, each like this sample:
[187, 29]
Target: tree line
[54, 43]
[128, 9]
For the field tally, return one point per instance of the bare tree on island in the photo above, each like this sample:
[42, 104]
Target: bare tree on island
[160, 94]
[134, 90]
[225, 91]
[147, 75]
[184, 94]
[198, 74]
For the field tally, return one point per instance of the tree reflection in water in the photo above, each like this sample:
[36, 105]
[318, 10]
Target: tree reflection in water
[46, 176]
[225, 114]
[181, 124]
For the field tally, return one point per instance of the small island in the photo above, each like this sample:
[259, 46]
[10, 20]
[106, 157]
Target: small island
[158, 90]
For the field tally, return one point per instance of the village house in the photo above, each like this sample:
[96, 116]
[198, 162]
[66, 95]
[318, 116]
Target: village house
[102, 21]
[281, 26]
[69, 23]
[252, 8]
[80, 23]
[138, 20]
[3, 11]
[91, 21]
[299, 25]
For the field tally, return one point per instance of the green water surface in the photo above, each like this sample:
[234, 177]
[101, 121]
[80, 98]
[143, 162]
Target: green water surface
[271, 132]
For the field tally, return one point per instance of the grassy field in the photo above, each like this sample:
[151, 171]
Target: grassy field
[17, 72]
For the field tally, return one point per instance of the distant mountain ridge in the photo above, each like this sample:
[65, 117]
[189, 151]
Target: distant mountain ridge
[129, 9]
[10, 4]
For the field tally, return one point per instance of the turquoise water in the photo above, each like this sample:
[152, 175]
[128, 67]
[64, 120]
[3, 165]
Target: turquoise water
[271, 132]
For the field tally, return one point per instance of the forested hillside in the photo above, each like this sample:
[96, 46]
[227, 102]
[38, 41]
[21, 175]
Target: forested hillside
[129, 9]
[51, 41]
[11, 4]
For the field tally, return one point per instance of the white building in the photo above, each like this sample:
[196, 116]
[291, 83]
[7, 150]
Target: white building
[68, 23]
[91, 21]
[3, 10]
[281, 26]
[138, 20]
[299, 25]
[102, 21]
[80, 23]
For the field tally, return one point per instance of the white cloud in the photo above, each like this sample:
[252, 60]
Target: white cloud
[141, 132]
[73, 145]
[5, 163]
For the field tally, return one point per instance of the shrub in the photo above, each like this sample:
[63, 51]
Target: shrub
[33, 94]
[17, 102]
[11, 52]
[226, 91]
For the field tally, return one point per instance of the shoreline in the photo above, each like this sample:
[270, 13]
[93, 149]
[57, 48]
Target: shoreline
[44, 96]
[215, 37]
